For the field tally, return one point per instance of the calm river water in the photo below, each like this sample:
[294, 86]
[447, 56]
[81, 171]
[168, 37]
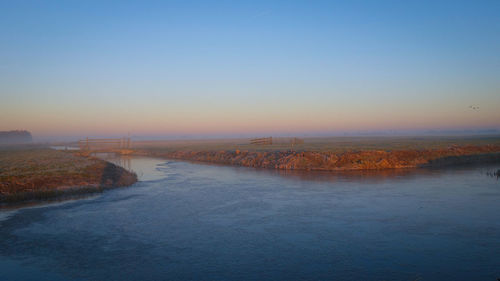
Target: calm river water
[187, 221]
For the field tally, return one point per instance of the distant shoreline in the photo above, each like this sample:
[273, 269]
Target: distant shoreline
[34, 173]
[339, 161]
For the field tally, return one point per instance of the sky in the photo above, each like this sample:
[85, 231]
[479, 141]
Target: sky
[243, 68]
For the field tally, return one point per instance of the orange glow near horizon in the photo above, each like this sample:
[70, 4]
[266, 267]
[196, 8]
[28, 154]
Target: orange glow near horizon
[239, 120]
[76, 69]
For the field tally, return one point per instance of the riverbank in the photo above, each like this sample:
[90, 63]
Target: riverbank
[357, 154]
[36, 173]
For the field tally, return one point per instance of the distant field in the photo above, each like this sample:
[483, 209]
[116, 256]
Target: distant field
[339, 153]
[330, 144]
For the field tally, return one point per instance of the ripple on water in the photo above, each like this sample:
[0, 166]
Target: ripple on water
[227, 223]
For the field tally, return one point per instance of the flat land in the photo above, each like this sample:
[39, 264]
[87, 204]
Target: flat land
[30, 173]
[321, 144]
[335, 153]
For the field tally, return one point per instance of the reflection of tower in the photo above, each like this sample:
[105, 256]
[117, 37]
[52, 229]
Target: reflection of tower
[125, 162]
[128, 165]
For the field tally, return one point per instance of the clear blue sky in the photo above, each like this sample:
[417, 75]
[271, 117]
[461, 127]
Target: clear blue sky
[248, 67]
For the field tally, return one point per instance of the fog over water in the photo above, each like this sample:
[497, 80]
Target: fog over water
[195, 221]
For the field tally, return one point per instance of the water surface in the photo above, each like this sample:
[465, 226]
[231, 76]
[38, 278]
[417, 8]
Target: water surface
[187, 221]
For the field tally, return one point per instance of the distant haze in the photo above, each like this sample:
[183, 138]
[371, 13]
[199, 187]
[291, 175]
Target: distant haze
[229, 69]
[15, 137]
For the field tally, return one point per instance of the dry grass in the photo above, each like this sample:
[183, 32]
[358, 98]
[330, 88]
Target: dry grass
[31, 161]
[333, 153]
[31, 172]
[330, 144]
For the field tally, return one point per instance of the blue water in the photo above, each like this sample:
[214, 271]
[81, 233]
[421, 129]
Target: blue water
[204, 222]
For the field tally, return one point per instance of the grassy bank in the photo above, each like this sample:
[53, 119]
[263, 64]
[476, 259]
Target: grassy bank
[320, 144]
[334, 153]
[36, 173]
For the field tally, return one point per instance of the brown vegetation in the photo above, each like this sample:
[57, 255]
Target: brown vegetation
[39, 173]
[359, 154]
[325, 144]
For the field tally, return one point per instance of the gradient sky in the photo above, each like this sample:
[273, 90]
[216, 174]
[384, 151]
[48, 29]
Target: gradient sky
[76, 68]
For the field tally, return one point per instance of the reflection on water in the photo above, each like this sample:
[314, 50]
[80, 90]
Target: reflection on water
[64, 147]
[356, 175]
[188, 221]
[146, 168]
[494, 174]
